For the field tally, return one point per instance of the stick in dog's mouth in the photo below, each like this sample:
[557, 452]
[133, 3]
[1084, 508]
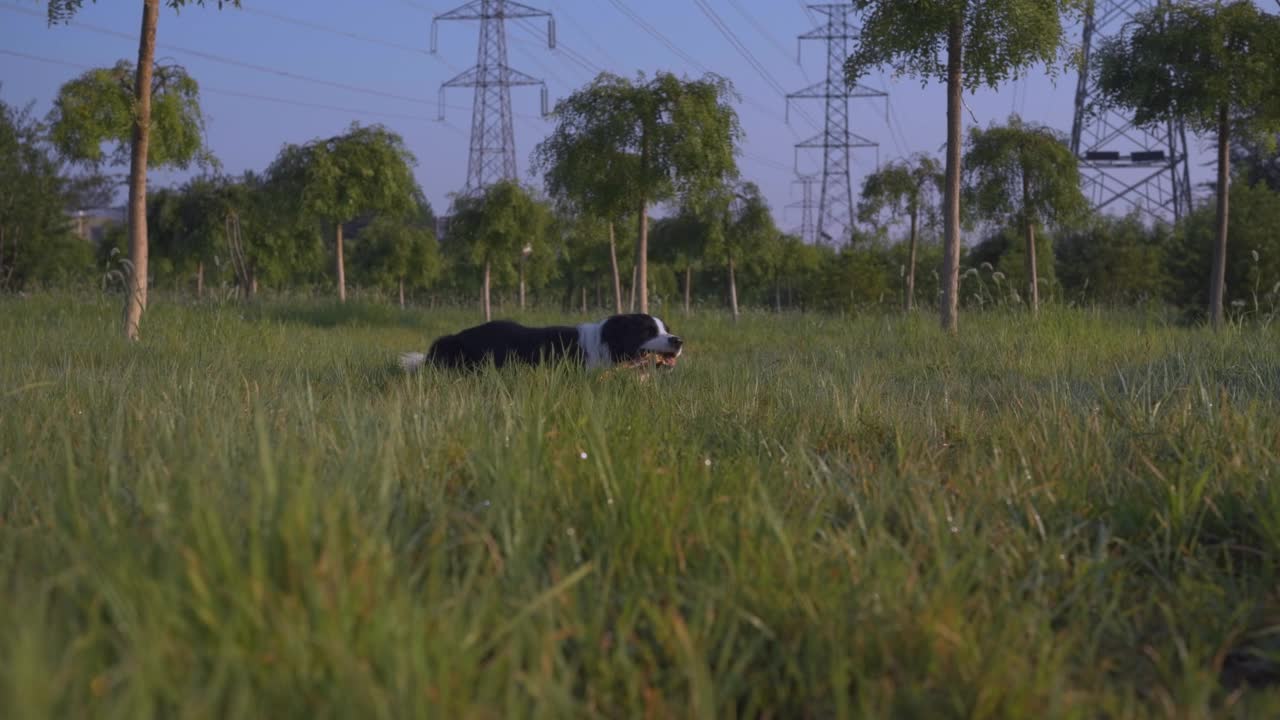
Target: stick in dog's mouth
[665, 359]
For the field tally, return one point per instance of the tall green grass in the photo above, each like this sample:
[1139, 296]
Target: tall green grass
[252, 514]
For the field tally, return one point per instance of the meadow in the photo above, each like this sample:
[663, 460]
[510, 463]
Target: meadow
[253, 514]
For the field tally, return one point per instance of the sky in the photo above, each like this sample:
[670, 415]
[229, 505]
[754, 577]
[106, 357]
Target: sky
[288, 71]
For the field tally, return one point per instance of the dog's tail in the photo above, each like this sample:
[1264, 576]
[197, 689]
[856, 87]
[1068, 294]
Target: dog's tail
[412, 362]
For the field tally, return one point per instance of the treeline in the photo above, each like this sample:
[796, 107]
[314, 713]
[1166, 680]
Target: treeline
[277, 230]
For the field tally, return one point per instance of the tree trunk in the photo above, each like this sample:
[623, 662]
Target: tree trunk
[402, 293]
[342, 268]
[950, 309]
[484, 294]
[688, 287]
[200, 280]
[136, 296]
[909, 292]
[253, 284]
[1218, 285]
[522, 284]
[733, 291]
[635, 269]
[1033, 277]
[642, 258]
[584, 299]
[613, 264]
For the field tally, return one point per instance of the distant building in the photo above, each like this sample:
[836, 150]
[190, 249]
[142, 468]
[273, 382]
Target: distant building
[92, 224]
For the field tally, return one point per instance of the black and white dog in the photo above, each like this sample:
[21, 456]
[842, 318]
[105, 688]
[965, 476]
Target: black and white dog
[618, 340]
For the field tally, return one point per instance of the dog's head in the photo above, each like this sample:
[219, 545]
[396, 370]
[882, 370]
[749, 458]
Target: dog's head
[631, 338]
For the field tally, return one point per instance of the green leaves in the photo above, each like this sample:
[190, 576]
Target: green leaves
[61, 11]
[392, 249]
[365, 170]
[1187, 60]
[496, 226]
[97, 109]
[1002, 38]
[901, 188]
[1022, 172]
[619, 143]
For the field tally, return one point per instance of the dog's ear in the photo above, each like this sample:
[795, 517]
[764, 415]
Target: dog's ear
[624, 334]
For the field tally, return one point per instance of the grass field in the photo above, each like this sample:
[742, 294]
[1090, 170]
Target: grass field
[252, 515]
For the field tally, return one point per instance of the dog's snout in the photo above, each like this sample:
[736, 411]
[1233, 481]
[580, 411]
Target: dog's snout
[675, 341]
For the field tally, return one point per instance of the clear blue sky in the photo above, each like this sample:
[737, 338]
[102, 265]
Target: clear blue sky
[381, 46]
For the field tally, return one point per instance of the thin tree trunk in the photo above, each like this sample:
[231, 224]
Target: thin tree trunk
[522, 284]
[733, 291]
[642, 250]
[484, 294]
[613, 264]
[402, 293]
[950, 309]
[136, 296]
[635, 269]
[642, 258]
[909, 292]
[342, 268]
[200, 280]
[253, 284]
[1033, 278]
[688, 287]
[584, 299]
[1218, 285]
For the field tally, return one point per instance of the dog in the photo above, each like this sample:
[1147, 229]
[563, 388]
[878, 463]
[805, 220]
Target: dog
[618, 340]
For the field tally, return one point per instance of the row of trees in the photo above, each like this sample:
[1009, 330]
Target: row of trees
[266, 229]
[620, 147]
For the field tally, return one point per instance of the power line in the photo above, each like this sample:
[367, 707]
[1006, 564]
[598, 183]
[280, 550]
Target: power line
[212, 57]
[622, 8]
[251, 96]
[312, 25]
[747, 55]
[768, 36]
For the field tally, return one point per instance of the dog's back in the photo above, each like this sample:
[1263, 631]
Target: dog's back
[502, 341]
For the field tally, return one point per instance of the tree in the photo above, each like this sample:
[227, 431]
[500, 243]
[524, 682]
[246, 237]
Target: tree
[681, 241]
[394, 253]
[1115, 260]
[138, 121]
[1023, 174]
[620, 144]
[366, 170]
[986, 42]
[741, 225]
[907, 187]
[32, 194]
[1210, 65]
[492, 228]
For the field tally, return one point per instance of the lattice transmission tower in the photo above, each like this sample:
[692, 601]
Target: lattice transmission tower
[1146, 169]
[493, 146]
[835, 199]
[806, 205]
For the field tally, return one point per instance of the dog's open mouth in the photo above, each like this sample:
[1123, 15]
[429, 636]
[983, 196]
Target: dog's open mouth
[665, 359]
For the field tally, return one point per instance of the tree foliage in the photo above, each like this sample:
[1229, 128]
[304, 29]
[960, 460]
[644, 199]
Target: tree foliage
[628, 144]
[1024, 175]
[394, 253]
[364, 171]
[1001, 38]
[1210, 65]
[61, 11]
[904, 189]
[97, 109]
[966, 44]
[490, 231]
